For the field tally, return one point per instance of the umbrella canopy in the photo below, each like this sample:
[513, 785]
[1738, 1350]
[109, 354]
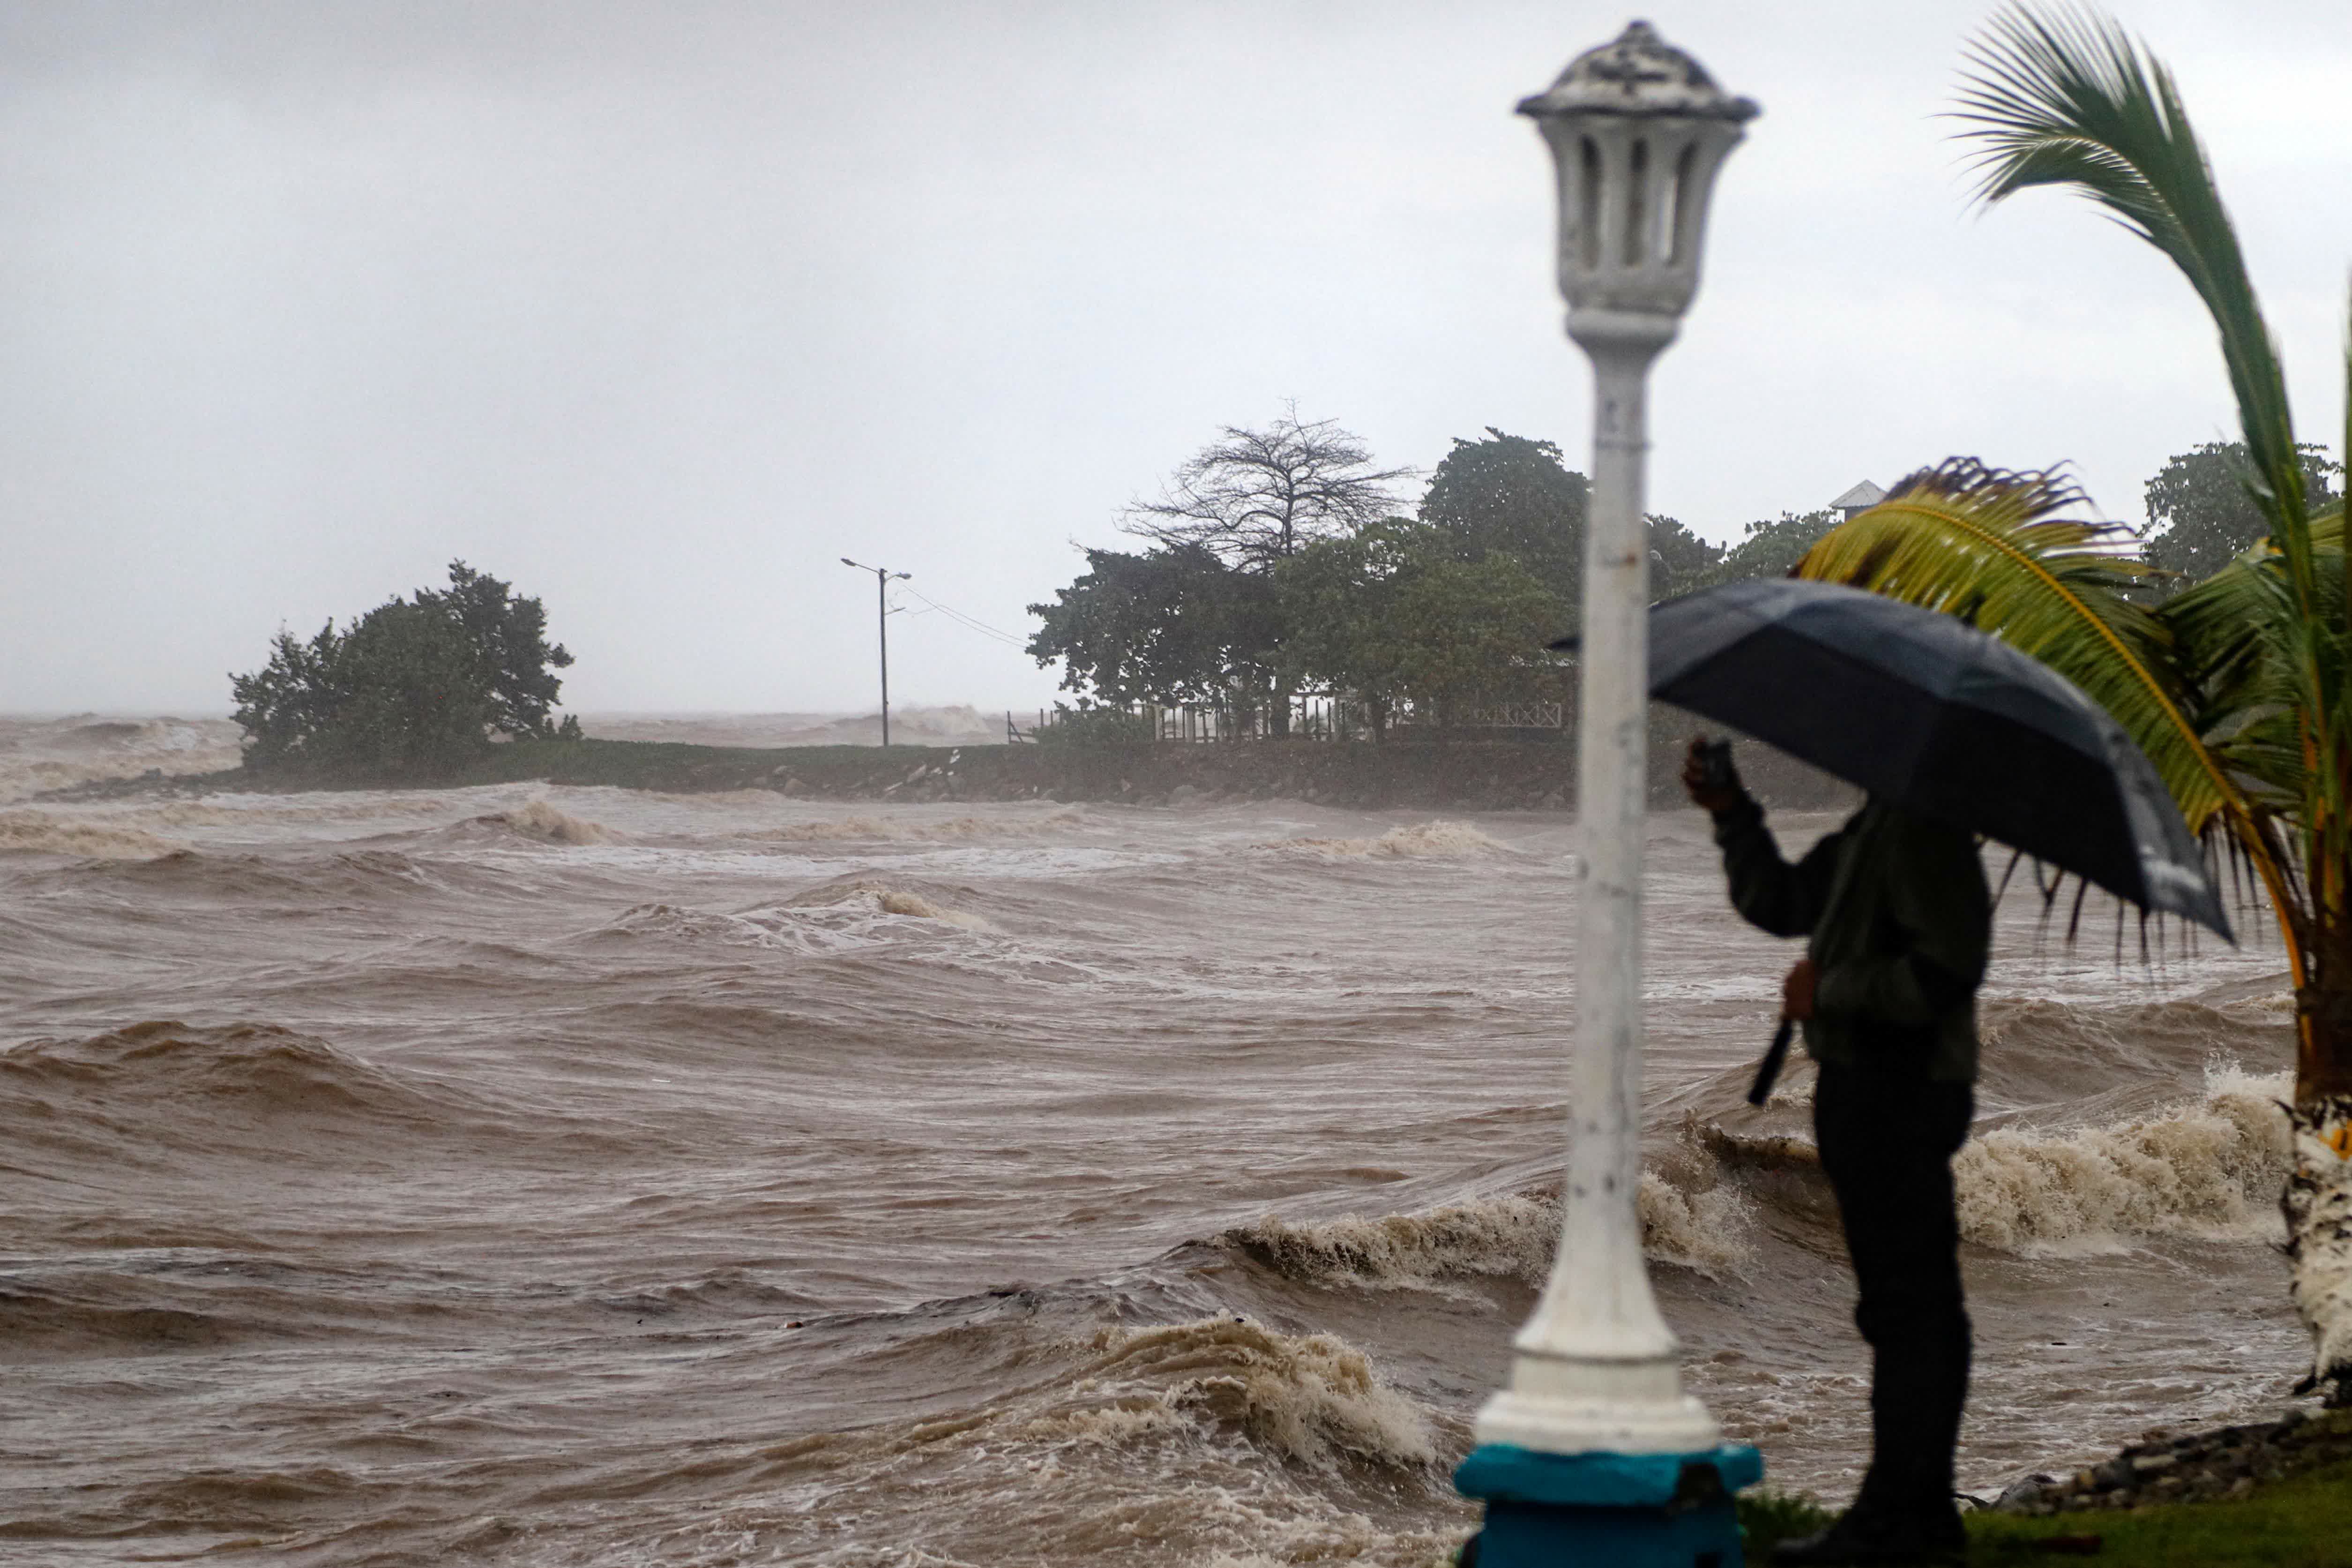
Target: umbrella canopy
[1916, 707]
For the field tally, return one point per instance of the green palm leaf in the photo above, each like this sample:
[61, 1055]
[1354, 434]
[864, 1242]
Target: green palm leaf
[2070, 99]
[1982, 545]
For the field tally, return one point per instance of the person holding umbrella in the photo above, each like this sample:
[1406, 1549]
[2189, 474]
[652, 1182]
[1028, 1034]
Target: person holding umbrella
[1898, 919]
[1953, 734]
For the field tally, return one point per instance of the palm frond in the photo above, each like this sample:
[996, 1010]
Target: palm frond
[2064, 97]
[1981, 544]
[2232, 631]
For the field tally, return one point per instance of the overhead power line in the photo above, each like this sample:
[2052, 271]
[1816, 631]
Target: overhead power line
[971, 623]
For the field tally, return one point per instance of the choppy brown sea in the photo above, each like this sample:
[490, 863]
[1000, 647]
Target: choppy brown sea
[544, 1176]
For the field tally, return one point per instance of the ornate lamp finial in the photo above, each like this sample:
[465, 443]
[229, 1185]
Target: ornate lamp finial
[1637, 129]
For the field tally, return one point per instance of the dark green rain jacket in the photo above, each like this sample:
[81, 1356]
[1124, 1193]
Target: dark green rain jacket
[1900, 918]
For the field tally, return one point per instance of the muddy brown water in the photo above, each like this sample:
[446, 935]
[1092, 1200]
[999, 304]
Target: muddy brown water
[545, 1177]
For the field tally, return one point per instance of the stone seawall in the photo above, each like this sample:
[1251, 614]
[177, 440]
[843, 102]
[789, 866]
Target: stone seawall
[1455, 775]
[1464, 775]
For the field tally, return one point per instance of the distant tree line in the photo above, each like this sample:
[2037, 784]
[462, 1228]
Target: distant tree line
[1279, 560]
[410, 692]
[2200, 514]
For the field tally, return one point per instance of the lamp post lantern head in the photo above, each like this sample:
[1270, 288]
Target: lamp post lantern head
[1637, 130]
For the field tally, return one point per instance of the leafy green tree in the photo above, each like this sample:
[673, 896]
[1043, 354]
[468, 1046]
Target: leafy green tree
[2200, 514]
[1174, 625]
[411, 692]
[1471, 632]
[1511, 495]
[1392, 613]
[1680, 560]
[2237, 688]
[516, 664]
[1771, 549]
[1337, 599]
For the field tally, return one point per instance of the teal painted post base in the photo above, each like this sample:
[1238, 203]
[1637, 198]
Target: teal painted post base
[1620, 1511]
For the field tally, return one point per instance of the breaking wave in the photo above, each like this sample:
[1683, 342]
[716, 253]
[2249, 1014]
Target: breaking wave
[1419, 841]
[2211, 1167]
[42, 833]
[1309, 1397]
[1510, 1235]
[544, 823]
[2208, 1168]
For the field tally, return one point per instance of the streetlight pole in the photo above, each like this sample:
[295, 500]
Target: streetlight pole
[1593, 1438]
[882, 580]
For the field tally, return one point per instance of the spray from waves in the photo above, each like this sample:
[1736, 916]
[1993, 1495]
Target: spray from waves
[1421, 841]
[544, 823]
[2210, 1168]
[44, 833]
[1311, 1397]
[1510, 1235]
[947, 830]
[45, 754]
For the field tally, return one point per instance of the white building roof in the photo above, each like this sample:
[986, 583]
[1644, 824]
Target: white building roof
[1864, 494]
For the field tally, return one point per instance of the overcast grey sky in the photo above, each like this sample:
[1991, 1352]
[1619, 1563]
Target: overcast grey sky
[659, 309]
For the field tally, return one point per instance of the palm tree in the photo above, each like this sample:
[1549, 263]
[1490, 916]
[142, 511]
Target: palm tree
[2240, 688]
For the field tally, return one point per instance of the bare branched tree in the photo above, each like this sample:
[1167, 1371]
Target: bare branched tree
[1256, 497]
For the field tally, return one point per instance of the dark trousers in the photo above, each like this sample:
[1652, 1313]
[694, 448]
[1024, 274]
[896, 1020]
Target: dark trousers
[1887, 1140]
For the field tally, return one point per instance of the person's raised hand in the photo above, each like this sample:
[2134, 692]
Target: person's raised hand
[1709, 796]
[1797, 990]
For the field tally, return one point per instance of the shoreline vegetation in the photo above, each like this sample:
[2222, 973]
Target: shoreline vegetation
[1457, 775]
[2269, 1495]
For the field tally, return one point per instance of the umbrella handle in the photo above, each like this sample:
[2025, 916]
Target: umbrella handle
[1768, 1069]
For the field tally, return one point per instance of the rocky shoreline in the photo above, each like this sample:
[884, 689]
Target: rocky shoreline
[2224, 1462]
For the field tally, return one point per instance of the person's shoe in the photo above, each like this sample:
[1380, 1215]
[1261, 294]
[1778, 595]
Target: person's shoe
[1856, 1541]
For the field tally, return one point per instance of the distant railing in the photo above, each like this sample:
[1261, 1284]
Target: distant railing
[1312, 716]
[1495, 716]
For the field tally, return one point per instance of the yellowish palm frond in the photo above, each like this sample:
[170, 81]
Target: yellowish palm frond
[1982, 545]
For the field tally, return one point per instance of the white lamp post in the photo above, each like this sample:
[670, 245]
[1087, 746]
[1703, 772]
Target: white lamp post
[1638, 130]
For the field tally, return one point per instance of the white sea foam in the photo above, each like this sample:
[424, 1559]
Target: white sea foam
[2207, 1167]
[1420, 840]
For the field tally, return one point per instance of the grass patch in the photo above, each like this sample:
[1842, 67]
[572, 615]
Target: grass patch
[1768, 1518]
[2302, 1521]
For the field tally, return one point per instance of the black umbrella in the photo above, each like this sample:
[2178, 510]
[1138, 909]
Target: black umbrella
[1918, 708]
[1938, 717]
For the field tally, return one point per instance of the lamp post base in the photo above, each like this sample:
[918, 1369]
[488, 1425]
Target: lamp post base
[1629, 1510]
